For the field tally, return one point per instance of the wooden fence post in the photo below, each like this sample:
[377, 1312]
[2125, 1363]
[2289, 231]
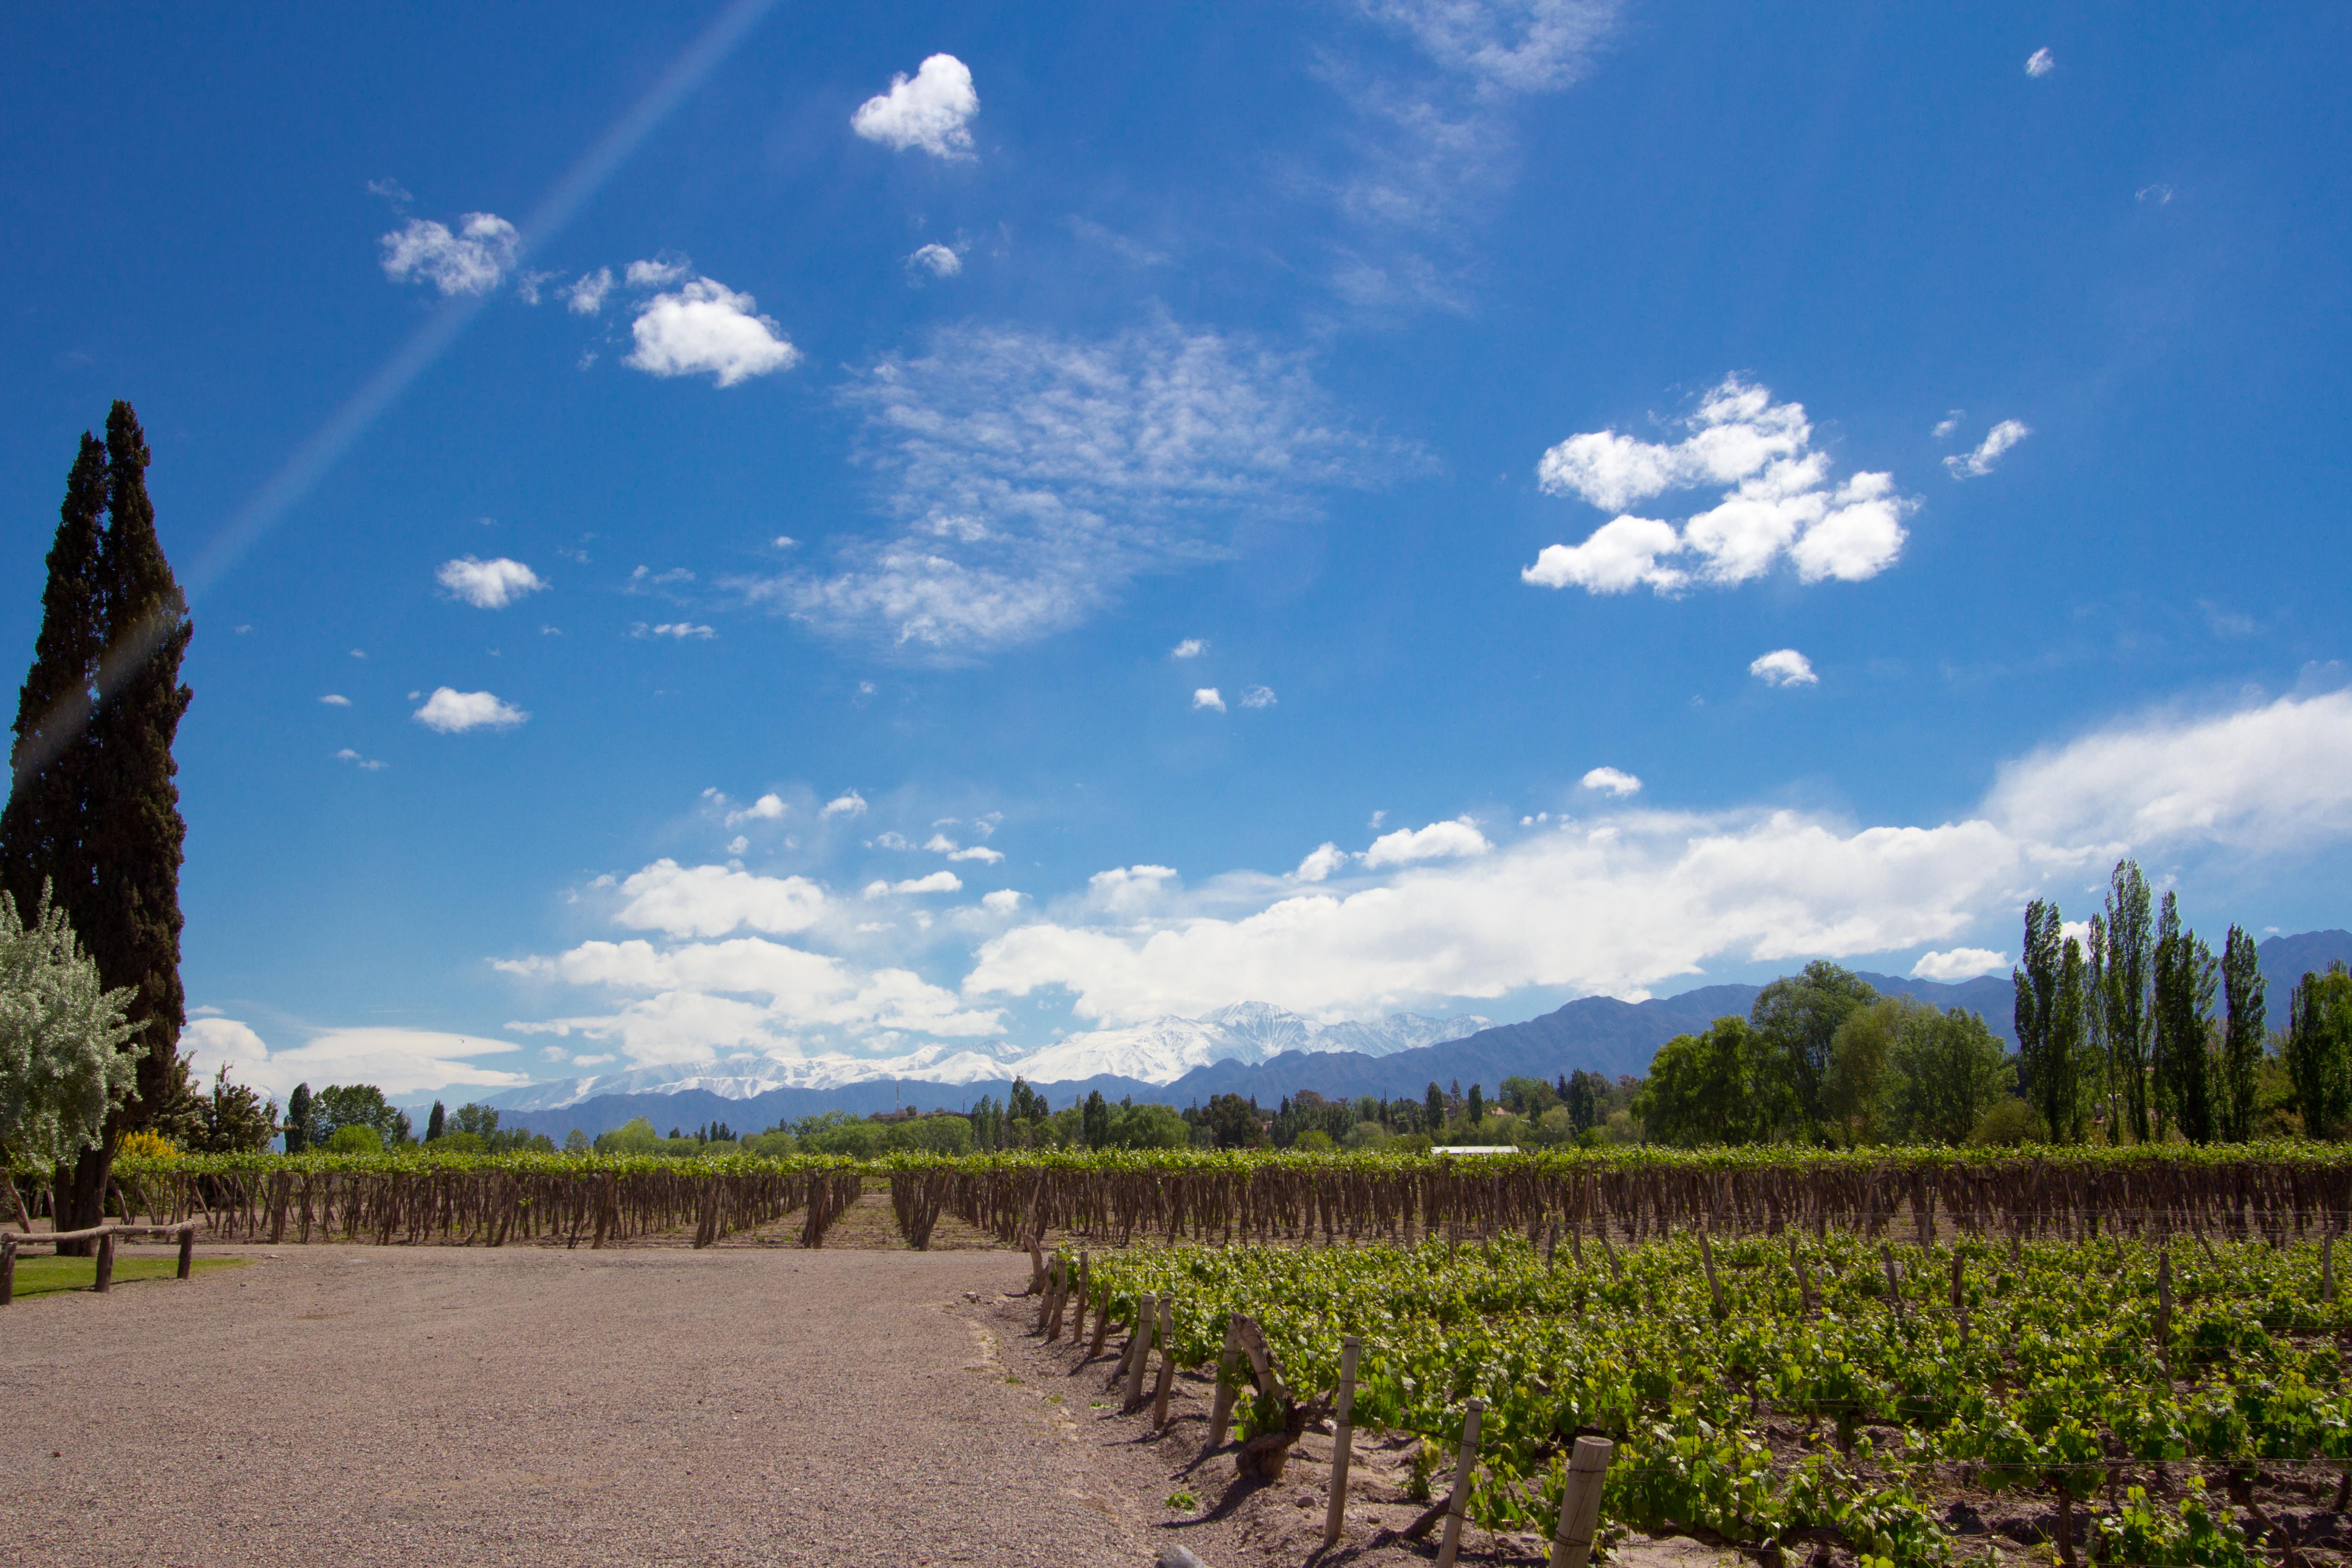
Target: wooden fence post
[1451, 1546]
[187, 1250]
[1343, 1437]
[1167, 1363]
[8, 1269]
[1138, 1346]
[105, 1281]
[1580, 1502]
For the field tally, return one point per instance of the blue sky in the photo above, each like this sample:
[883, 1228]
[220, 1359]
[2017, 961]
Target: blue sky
[1972, 382]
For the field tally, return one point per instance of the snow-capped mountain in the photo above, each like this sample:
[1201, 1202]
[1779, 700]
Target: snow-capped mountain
[1160, 1051]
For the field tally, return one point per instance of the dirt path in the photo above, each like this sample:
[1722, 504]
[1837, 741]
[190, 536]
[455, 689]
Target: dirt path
[347, 1404]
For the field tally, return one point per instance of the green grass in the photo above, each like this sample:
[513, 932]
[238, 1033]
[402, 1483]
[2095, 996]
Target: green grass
[41, 1275]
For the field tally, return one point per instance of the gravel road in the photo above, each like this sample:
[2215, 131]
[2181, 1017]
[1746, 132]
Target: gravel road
[355, 1404]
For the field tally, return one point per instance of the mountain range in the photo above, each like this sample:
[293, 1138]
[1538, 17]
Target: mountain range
[1251, 1049]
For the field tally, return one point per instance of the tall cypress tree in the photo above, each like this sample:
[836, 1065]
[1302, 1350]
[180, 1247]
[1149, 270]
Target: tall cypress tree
[102, 818]
[2243, 1006]
[2131, 955]
[41, 830]
[2183, 1015]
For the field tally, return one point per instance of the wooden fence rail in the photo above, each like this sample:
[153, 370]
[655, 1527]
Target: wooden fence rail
[104, 1234]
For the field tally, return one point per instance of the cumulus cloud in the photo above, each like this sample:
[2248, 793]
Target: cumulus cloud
[1321, 861]
[937, 882]
[1778, 503]
[849, 803]
[1002, 901]
[1208, 697]
[586, 297]
[1619, 905]
[767, 808]
[452, 713]
[1998, 439]
[980, 852]
[1191, 648]
[933, 109]
[398, 1061]
[487, 584]
[1438, 841]
[939, 260]
[2264, 778]
[712, 901]
[2041, 63]
[1959, 964]
[1783, 667]
[473, 261]
[687, 1002]
[707, 328]
[1029, 477]
[1257, 697]
[658, 273]
[336, 700]
[678, 631]
[1612, 782]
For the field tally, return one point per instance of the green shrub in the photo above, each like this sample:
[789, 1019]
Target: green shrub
[356, 1137]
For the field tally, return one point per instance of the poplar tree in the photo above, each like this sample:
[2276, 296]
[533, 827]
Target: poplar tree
[2130, 957]
[93, 806]
[2318, 1049]
[2099, 1057]
[2065, 1107]
[2183, 1015]
[2242, 1032]
[2035, 980]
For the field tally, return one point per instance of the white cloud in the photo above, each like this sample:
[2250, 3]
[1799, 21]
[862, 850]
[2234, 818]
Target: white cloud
[452, 713]
[936, 260]
[2267, 778]
[1257, 697]
[707, 328]
[849, 803]
[1959, 964]
[398, 1061]
[2159, 193]
[1002, 901]
[336, 700]
[487, 584]
[1948, 424]
[1778, 503]
[1438, 841]
[586, 297]
[474, 260]
[2041, 63]
[1429, 153]
[1321, 861]
[937, 882]
[1998, 440]
[1207, 697]
[659, 273]
[980, 852]
[1191, 648]
[1030, 477]
[693, 1000]
[1613, 781]
[767, 808]
[365, 765]
[1622, 554]
[711, 901]
[1783, 667]
[933, 109]
[680, 631]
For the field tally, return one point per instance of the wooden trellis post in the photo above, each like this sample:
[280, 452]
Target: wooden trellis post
[1464, 1464]
[1580, 1502]
[1343, 1439]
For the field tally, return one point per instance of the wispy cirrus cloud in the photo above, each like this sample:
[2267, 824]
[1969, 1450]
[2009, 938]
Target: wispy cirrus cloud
[1431, 147]
[1030, 477]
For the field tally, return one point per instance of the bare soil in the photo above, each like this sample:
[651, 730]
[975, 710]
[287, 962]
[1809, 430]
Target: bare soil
[360, 1405]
